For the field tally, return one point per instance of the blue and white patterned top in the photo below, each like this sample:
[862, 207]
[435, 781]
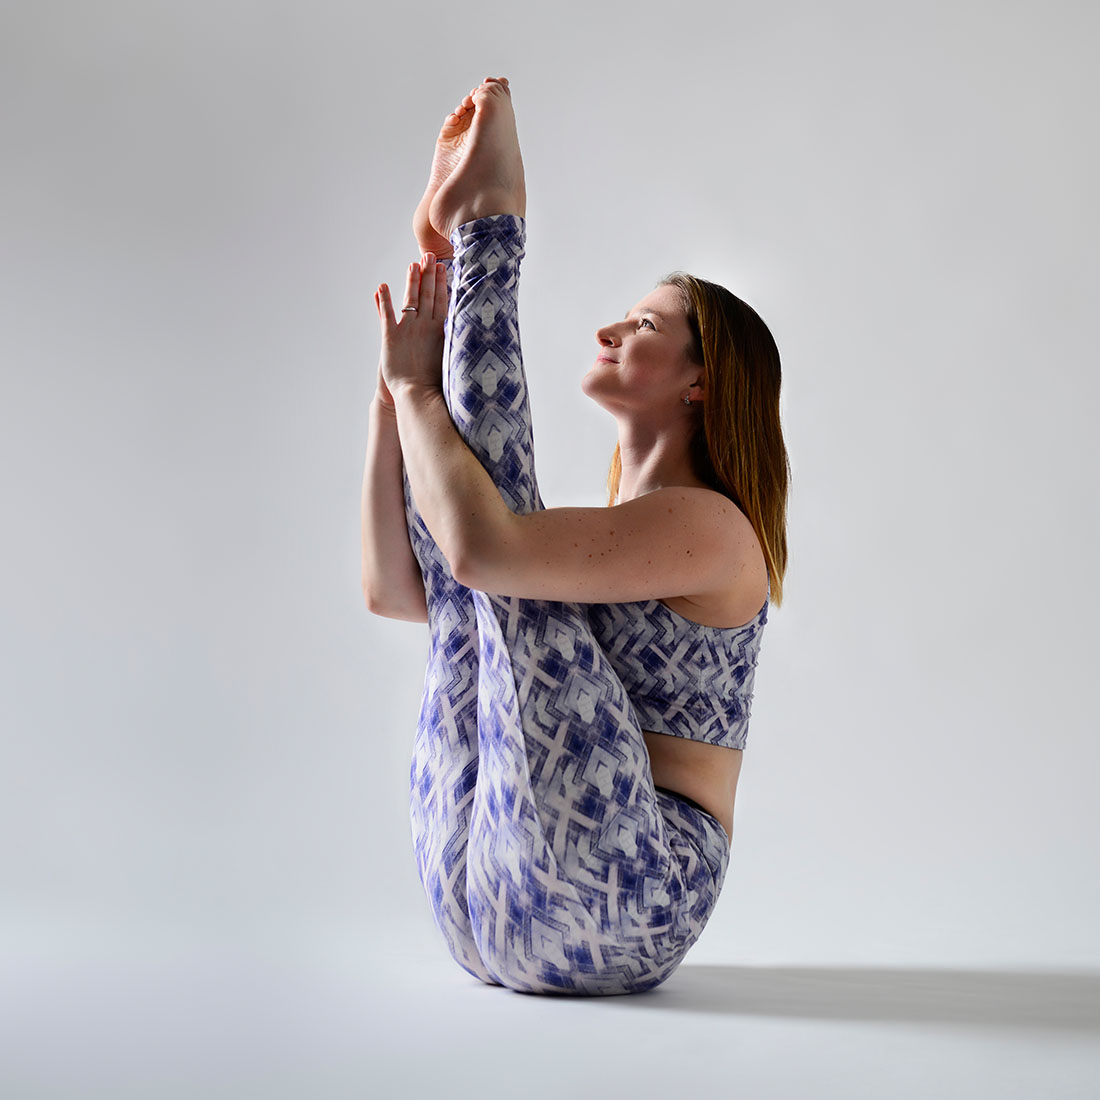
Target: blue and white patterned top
[683, 678]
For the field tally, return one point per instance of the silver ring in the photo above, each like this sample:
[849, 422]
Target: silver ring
[409, 309]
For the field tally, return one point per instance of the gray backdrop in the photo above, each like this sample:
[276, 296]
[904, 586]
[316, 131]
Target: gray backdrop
[206, 737]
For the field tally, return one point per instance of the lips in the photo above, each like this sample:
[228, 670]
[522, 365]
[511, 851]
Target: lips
[605, 359]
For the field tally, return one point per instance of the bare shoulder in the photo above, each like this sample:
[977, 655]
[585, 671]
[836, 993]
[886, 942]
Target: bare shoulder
[737, 600]
[696, 505]
[705, 507]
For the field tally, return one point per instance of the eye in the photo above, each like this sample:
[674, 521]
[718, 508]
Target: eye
[647, 321]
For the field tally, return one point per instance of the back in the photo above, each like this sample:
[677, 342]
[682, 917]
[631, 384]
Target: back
[683, 678]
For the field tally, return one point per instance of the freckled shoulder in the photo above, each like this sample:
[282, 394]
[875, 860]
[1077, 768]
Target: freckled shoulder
[744, 585]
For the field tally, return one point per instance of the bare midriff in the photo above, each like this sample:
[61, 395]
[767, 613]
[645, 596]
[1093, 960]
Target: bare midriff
[703, 772]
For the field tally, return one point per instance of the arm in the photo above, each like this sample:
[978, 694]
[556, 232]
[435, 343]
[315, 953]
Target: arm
[677, 541]
[671, 542]
[392, 583]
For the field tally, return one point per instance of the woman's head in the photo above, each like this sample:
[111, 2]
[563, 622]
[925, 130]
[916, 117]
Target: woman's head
[737, 442]
[645, 365]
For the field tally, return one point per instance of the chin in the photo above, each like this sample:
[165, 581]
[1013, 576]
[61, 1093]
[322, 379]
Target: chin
[600, 388]
[590, 384]
[595, 398]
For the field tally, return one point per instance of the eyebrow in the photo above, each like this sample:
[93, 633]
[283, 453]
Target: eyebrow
[659, 316]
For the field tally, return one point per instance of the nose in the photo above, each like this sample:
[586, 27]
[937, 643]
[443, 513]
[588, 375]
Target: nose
[607, 337]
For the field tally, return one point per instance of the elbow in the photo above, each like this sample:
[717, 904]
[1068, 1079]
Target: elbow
[483, 574]
[460, 551]
[373, 600]
[483, 557]
[370, 593]
[473, 565]
[409, 604]
[465, 570]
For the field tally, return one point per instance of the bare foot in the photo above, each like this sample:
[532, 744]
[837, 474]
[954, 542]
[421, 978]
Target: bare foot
[481, 170]
[449, 147]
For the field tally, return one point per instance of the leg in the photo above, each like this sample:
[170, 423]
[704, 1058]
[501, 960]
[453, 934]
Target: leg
[495, 415]
[443, 773]
[581, 878]
[445, 757]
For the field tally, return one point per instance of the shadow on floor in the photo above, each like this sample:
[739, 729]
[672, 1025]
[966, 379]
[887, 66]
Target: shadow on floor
[1064, 1002]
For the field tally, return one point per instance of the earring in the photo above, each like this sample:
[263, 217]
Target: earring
[687, 399]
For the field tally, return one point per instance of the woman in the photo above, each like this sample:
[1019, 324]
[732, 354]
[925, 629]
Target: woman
[590, 669]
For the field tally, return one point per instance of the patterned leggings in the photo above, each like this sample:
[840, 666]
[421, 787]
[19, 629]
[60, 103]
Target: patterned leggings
[551, 862]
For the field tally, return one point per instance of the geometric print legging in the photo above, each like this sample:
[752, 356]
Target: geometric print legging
[550, 861]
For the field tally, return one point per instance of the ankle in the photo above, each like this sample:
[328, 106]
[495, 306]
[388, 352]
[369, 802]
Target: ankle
[488, 204]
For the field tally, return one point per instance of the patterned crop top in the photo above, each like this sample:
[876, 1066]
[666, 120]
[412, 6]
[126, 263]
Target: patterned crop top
[683, 678]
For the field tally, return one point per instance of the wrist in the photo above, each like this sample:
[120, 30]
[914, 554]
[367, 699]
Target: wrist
[415, 392]
[383, 409]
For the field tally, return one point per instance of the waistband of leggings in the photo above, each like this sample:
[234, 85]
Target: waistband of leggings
[684, 798]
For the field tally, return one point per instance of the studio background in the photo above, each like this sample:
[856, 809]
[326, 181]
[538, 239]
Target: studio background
[206, 737]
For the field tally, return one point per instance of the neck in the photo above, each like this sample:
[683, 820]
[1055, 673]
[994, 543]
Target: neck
[653, 458]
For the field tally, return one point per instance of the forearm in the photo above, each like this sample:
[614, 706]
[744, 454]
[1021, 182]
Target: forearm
[392, 582]
[457, 499]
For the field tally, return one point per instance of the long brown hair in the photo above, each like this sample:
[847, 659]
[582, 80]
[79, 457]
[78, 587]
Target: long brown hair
[737, 447]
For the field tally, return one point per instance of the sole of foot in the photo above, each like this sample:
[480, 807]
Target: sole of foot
[448, 152]
[477, 169]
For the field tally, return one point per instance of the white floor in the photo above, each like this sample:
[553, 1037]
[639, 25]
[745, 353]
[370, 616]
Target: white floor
[233, 1023]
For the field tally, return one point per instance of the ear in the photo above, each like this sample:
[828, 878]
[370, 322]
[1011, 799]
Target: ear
[702, 394]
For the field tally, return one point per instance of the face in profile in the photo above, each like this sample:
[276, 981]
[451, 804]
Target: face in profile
[642, 361]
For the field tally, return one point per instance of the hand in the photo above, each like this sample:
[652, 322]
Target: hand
[412, 342]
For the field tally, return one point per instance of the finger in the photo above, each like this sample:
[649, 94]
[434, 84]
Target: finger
[427, 282]
[412, 288]
[439, 309]
[385, 309]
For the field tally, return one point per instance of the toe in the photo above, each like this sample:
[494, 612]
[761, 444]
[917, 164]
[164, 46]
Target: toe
[495, 85]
